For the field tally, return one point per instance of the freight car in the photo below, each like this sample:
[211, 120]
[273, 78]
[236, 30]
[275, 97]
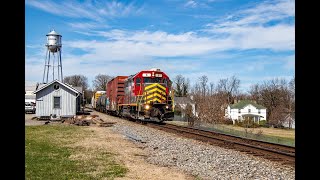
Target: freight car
[101, 103]
[95, 97]
[146, 96]
[115, 94]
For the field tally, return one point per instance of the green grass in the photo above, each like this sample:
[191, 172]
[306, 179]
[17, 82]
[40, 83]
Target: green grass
[48, 151]
[263, 137]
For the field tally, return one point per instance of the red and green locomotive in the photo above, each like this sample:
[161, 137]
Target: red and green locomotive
[147, 95]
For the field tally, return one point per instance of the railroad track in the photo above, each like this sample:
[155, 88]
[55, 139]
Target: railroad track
[274, 152]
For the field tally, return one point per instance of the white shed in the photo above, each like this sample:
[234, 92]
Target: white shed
[57, 100]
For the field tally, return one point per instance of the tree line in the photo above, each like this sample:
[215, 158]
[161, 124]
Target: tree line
[211, 99]
[99, 84]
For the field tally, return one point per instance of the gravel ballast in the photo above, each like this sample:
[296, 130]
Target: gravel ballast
[197, 158]
[200, 159]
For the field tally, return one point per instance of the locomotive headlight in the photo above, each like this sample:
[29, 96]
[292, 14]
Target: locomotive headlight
[167, 107]
[147, 107]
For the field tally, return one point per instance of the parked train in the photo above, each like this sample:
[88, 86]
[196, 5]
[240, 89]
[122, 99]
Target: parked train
[146, 95]
[95, 97]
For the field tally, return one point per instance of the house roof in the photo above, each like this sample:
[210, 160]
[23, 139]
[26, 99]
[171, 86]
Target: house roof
[182, 100]
[63, 84]
[244, 103]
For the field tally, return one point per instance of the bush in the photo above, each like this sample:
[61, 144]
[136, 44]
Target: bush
[247, 123]
[177, 112]
[263, 123]
[227, 121]
[279, 126]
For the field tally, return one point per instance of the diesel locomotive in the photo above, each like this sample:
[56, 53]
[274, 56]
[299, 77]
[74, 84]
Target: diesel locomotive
[146, 96]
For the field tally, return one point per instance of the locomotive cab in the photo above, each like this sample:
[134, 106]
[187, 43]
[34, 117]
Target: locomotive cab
[148, 97]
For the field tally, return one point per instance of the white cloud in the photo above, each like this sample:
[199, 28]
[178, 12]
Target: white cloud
[137, 50]
[87, 25]
[281, 7]
[249, 28]
[191, 4]
[94, 10]
[145, 44]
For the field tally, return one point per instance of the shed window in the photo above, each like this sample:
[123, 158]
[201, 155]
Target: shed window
[56, 102]
[56, 87]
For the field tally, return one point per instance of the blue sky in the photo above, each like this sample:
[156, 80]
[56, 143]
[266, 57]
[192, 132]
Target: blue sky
[253, 40]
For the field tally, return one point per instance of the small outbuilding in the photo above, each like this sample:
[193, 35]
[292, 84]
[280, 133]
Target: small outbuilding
[57, 100]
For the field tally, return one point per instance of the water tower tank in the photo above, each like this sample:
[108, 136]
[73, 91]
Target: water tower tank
[53, 41]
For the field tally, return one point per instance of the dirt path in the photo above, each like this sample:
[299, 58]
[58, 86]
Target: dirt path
[29, 122]
[129, 154]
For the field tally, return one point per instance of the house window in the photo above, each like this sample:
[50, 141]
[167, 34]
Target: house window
[239, 111]
[259, 111]
[56, 102]
[249, 110]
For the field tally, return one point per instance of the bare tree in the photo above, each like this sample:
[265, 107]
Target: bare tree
[229, 87]
[189, 115]
[255, 92]
[291, 107]
[278, 97]
[185, 87]
[178, 80]
[209, 103]
[211, 88]
[88, 95]
[203, 80]
[100, 82]
[77, 80]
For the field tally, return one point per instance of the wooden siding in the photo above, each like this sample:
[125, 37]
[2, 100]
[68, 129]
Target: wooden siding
[44, 101]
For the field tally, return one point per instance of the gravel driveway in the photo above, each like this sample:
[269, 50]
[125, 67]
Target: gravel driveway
[29, 122]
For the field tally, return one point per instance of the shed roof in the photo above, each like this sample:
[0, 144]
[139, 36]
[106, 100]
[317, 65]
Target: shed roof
[79, 88]
[244, 103]
[63, 84]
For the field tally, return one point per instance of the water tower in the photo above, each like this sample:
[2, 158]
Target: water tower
[53, 57]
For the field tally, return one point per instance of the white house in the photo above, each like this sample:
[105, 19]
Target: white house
[183, 102]
[246, 109]
[57, 100]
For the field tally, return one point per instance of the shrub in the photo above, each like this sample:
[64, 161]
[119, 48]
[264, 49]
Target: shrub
[259, 133]
[227, 121]
[247, 123]
[177, 112]
[263, 123]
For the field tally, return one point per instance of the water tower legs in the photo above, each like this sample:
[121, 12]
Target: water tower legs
[50, 59]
